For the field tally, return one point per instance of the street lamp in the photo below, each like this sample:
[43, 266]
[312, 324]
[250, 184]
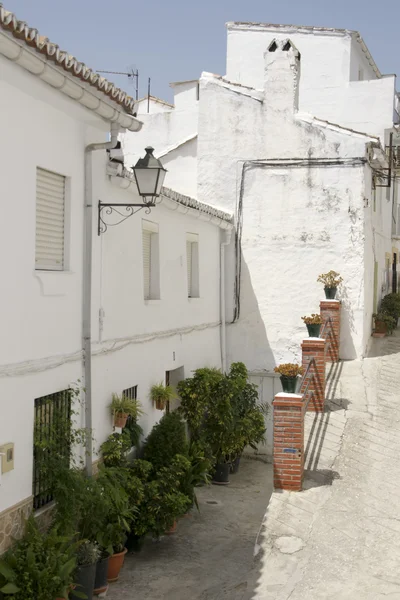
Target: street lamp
[149, 176]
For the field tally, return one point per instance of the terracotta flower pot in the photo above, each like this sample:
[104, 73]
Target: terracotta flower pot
[380, 329]
[115, 563]
[160, 404]
[120, 419]
[173, 528]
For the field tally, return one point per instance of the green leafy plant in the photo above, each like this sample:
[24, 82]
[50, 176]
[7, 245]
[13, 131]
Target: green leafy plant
[119, 513]
[314, 319]
[160, 394]
[391, 304]
[196, 474]
[115, 448]
[166, 440]
[332, 279]
[88, 553]
[387, 319]
[122, 405]
[40, 566]
[289, 370]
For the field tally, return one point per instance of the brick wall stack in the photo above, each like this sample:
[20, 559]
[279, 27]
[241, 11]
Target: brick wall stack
[288, 441]
[314, 348]
[331, 308]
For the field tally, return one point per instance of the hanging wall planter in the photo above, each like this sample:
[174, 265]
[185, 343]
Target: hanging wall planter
[123, 407]
[161, 394]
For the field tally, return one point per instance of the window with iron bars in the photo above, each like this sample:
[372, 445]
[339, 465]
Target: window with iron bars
[52, 438]
[130, 426]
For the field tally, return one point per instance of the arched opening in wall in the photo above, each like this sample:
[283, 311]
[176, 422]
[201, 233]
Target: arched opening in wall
[273, 47]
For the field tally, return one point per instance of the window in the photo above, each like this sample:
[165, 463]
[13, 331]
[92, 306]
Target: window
[192, 261]
[50, 221]
[151, 267]
[130, 393]
[52, 429]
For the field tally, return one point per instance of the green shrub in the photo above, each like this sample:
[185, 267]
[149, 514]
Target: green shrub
[115, 448]
[391, 304]
[165, 441]
[39, 567]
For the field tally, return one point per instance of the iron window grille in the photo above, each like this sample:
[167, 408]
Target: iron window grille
[52, 439]
[130, 393]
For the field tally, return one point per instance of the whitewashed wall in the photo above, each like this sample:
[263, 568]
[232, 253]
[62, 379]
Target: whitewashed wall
[40, 351]
[329, 86]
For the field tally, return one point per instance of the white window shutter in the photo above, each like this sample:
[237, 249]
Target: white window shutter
[50, 216]
[189, 267]
[146, 262]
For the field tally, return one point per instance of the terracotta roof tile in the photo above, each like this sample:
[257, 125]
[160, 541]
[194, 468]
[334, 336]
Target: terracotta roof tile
[31, 37]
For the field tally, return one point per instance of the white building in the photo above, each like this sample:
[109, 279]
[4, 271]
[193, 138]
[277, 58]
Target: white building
[155, 285]
[293, 140]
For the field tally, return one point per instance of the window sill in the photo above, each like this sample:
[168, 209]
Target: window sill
[54, 283]
[194, 298]
[151, 301]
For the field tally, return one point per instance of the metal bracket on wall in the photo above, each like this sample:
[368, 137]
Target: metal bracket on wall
[113, 214]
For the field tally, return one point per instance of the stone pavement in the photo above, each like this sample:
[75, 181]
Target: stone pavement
[340, 538]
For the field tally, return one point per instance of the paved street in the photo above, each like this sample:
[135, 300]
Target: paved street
[211, 557]
[341, 538]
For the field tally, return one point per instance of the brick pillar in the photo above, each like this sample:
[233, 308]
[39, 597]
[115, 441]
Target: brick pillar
[331, 308]
[288, 441]
[314, 348]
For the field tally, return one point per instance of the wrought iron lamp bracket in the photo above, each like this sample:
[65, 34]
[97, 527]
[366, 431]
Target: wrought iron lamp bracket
[118, 213]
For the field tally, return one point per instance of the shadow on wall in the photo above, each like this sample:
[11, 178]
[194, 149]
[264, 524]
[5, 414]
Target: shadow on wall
[247, 339]
[347, 349]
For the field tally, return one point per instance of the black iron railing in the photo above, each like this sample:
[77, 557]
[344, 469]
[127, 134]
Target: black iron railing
[52, 429]
[326, 333]
[306, 379]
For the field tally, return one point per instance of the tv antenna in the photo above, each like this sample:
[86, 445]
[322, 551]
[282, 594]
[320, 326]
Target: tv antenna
[132, 74]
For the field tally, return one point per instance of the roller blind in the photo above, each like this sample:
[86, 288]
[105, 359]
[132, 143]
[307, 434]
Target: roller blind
[189, 254]
[50, 216]
[146, 262]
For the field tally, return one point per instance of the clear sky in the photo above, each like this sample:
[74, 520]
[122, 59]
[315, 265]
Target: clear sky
[173, 40]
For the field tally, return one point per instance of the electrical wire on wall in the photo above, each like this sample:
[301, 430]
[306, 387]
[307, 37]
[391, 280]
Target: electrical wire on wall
[268, 164]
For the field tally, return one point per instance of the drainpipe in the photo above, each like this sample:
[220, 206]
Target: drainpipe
[226, 242]
[87, 288]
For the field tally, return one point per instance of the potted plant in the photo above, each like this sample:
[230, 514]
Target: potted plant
[87, 557]
[39, 566]
[166, 440]
[119, 516]
[289, 374]
[160, 394]
[313, 324]
[391, 304]
[122, 407]
[384, 324]
[331, 281]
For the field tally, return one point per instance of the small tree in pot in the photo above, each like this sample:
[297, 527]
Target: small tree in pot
[289, 373]
[313, 324]
[331, 281]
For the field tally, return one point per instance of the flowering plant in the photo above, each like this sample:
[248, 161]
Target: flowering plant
[331, 279]
[289, 370]
[314, 319]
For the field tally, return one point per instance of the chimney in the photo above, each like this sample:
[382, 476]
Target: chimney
[281, 78]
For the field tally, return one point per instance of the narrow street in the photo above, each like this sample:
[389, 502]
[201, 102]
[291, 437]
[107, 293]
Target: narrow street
[340, 538]
[211, 556]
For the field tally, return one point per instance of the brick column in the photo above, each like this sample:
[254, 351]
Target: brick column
[331, 308]
[288, 441]
[314, 348]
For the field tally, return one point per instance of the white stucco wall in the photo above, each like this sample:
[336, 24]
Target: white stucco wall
[185, 94]
[181, 165]
[41, 334]
[329, 87]
[297, 221]
[154, 106]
